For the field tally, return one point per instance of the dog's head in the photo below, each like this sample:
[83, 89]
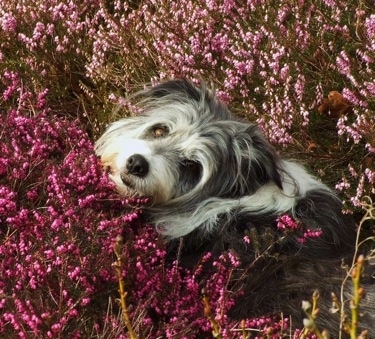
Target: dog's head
[185, 147]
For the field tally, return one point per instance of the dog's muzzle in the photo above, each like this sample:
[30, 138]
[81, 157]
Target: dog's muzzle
[135, 165]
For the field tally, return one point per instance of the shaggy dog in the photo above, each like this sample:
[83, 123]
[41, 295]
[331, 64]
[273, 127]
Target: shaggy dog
[214, 180]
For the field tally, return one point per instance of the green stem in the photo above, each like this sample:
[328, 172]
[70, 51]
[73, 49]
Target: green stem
[208, 313]
[358, 294]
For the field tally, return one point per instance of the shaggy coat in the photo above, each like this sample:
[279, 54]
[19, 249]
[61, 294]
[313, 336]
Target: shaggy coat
[214, 180]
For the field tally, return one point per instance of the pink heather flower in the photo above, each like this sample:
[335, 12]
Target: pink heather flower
[352, 171]
[370, 175]
[286, 222]
[370, 27]
[368, 146]
[246, 239]
[8, 23]
[353, 98]
[12, 80]
[343, 62]
[310, 234]
[299, 87]
[41, 99]
[330, 3]
[342, 185]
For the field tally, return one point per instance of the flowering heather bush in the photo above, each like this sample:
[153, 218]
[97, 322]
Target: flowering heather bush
[43, 41]
[57, 221]
[59, 218]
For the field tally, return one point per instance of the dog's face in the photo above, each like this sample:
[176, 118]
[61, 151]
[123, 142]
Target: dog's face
[185, 146]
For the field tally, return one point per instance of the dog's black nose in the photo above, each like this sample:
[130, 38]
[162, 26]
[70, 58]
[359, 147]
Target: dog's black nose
[137, 165]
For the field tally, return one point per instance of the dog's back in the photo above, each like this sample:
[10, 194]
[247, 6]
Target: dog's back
[284, 268]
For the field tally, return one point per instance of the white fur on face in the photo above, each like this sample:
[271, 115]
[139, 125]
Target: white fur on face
[158, 184]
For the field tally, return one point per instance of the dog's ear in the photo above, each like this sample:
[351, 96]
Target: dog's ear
[261, 162]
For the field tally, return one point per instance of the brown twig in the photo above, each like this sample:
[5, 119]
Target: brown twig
[208, 313]
[118, 265]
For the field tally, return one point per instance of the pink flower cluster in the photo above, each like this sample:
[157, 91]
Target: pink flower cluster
[286, 223]
[58, 219]
[173, 295]
[246, 57]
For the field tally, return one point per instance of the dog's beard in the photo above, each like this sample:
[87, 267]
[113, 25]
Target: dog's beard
[158, 186]
[126, 186]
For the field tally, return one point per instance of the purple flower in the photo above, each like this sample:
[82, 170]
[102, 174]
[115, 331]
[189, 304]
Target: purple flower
[286, 222]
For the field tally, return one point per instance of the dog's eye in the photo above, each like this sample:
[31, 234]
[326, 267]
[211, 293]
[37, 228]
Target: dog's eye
[159, 131]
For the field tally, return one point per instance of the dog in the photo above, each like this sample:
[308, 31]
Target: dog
[213, 180]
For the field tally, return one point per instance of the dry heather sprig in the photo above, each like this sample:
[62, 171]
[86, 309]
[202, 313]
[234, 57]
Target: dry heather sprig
[348, 324]
[208, 313]
[118, 266]
[355, 273]
[312, 313]
[358, 293]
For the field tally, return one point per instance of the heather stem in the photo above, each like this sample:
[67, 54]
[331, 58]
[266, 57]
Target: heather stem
[358, 294]
[312, 313]
[123, 293]
[244, 332]
[208, 313]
